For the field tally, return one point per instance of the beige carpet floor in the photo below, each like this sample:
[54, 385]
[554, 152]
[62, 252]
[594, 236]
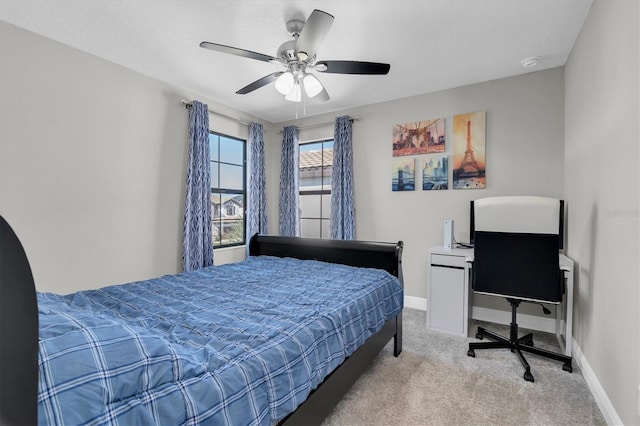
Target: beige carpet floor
[434, 382]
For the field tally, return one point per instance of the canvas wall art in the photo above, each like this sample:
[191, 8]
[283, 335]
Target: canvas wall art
[403, 174]
[420, 137]
[469, 132]
[435, 172]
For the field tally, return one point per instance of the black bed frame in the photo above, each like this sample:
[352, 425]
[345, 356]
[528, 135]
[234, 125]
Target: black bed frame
[18, 333]
[387, 256]
[19, 322]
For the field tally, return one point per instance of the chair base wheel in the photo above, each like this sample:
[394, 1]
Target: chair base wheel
[479, 336]
[528, 376]
[471, 353]
[567, 367]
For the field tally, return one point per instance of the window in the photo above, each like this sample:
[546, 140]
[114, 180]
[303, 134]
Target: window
[316, 160]
[228, 190]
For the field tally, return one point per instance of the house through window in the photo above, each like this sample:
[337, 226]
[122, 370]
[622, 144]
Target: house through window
[315, 163]
[228, 190]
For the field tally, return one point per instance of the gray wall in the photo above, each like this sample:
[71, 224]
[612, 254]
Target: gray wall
[601, 184]
[524, 154]
[92, 164]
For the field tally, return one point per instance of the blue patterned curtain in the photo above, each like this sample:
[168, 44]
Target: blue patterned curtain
[289, 209]
[342, 210]
[257, 196]
[197, 246]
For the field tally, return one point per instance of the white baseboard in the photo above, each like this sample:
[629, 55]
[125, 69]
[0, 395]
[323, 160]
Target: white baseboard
[605, 405]
[542, 324]
[531, 322]
[415, 302]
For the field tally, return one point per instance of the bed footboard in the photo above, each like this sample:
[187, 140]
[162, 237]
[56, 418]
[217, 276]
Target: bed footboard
[387, 256]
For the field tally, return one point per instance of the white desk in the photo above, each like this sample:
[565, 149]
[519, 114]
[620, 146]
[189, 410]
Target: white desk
[449, 292]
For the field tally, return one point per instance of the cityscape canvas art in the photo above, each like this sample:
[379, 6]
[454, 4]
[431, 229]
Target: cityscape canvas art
[469, 132]
[420, 137]
[435, 172]
[403, 174]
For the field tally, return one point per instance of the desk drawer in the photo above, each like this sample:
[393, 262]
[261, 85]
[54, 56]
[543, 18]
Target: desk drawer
[447, 260]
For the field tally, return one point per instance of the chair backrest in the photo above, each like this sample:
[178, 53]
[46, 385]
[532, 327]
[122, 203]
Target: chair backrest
[18, 333]
[516, 248]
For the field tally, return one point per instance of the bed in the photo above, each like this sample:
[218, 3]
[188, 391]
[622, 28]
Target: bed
[200, 359]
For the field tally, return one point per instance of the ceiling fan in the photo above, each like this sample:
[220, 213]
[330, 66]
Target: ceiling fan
[298, 56]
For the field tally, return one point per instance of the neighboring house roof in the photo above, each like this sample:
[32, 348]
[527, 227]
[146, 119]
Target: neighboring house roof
[313, 159]
[238, 199]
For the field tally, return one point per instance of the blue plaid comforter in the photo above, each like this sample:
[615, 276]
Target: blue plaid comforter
[242, 343]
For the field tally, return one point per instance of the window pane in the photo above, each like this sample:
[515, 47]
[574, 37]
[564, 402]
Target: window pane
[310, 179]
[215, 183]
[316, 162]
[231, 151]
[215, 218]
[313, 146]
[215, 232]
[215, 206]
[233, 200]
[232, 231]
[326, 206]
[328, 146]
[227, 210]
[231, 177]
[310, 165]
[310, 206]
[310, 228]
[213, 147]
[326, 178]
[325, 228]
[327, 164]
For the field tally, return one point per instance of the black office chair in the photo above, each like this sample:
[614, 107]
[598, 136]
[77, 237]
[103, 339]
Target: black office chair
[516, 257]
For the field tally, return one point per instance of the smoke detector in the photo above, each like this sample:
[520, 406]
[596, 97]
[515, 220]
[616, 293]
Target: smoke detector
[530, 62]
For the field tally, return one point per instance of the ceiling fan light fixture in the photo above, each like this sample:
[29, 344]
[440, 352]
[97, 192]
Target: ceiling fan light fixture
[312, 85]
[295, 95]
[284, 84]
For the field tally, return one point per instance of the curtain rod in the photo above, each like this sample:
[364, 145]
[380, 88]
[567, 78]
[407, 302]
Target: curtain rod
[188, 104]
[311, 126]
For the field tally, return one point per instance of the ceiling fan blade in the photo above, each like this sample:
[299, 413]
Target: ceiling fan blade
[236, 51]
[354, 67]
[259, 83]
[322, 96]
[313, 32]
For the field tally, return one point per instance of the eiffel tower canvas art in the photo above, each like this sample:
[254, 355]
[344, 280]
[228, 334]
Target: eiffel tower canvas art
[469, 131]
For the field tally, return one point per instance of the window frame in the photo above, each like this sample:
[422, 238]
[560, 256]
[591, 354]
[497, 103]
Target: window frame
[319, 192]
[229, 191]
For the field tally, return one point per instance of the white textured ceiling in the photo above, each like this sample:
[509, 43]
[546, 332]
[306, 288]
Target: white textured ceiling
[431, 44]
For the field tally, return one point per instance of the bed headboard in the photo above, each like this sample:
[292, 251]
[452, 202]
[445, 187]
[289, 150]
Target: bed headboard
[18, 333]
[365, 254]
